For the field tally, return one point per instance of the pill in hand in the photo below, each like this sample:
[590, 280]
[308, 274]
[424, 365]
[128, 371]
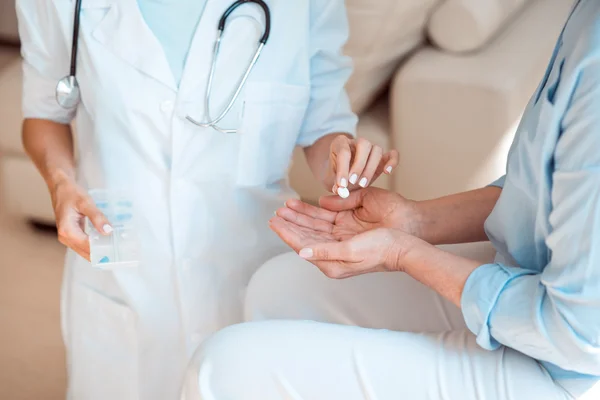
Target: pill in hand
[343, 192]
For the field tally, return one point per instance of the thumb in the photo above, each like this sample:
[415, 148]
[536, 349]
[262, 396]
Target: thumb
[332, 251]
[96, 217]
[336, 203]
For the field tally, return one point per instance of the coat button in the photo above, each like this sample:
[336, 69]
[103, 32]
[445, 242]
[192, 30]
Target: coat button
[167, 106]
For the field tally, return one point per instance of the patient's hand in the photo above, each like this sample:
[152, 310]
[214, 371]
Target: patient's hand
[364, 210]
[375, 250]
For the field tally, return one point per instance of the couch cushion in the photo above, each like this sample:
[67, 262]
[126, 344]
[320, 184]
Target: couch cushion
[454, 116]
[382, 32]
[10, 106]
[467, 25]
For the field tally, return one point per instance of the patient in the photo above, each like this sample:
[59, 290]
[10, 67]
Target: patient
[414, 320]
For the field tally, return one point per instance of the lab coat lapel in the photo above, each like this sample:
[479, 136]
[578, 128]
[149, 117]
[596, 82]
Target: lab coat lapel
[197, 66]
[124, 32]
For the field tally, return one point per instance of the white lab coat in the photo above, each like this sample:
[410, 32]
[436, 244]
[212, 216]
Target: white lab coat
[203, 197]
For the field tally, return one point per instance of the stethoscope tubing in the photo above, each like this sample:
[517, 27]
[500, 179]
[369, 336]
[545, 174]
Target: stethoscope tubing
[70, 82]
[75, 41]
[212, 123]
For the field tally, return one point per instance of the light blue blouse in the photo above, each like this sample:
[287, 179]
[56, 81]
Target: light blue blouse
[173, 23]
[542, 295]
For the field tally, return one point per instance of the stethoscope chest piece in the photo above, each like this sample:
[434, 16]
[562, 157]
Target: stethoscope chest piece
[67, 92]
[67, 89]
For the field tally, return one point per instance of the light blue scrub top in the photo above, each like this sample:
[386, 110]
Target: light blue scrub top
[174, 23]
[542, 295]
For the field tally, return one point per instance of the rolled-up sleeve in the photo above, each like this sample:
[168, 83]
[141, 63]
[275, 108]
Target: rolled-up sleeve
[499, 182]
[46, 59]
[329, 109]
[554, 316]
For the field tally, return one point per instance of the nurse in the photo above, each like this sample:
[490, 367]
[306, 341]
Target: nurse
[414, 321]
[203, 196]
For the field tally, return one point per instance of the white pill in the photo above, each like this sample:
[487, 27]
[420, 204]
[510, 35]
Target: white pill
[343, 192]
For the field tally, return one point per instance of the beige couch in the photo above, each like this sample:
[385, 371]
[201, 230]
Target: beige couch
[444, 82]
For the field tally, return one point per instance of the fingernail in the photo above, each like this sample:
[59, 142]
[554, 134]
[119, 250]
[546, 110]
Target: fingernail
[353, 178]
[343, 182]
[107, 228]
[363, 182]
[388, 169]
[306, 253]
[343, 192]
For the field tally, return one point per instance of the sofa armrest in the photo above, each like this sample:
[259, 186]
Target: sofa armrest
[454, 116]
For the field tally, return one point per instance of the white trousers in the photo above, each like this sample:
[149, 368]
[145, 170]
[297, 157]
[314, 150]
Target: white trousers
[379, 336]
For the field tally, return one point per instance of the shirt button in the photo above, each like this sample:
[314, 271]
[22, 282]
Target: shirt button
[167, 106]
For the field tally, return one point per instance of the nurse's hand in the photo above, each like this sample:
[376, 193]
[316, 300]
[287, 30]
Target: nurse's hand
[356, 163]
[71, 206]
[376, 250]
[362, 211]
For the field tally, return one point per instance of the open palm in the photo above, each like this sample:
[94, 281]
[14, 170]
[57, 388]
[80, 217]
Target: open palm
[342, 219]
[299, 237]
[367, 252]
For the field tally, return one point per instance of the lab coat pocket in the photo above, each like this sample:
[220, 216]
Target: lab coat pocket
[103, 347]
[271, 123]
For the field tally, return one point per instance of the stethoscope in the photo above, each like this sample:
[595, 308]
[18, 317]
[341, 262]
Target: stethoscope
[68, 94]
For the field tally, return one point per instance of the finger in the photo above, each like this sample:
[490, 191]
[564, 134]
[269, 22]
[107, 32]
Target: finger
[71, 235]
[304, 220]
[343, 156]
[341, 191]
[336, 204]
[82, 249]
[390, 160]
[80, 252]
[288, 232]
[311, 211]
[297, 236]
[371, 167]
[331, 251]
[363, 149]
[87, 207]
